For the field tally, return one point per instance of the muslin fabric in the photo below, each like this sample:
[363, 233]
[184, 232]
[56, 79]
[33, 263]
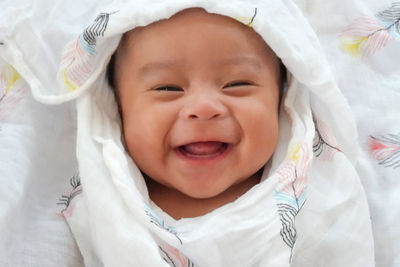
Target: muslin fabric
[310, 208]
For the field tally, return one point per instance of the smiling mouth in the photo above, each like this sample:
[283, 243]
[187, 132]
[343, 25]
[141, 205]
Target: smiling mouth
[203, 150]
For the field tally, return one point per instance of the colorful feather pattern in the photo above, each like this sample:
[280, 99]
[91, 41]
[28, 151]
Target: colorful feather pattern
[159, 222]
[10, 93]
[366, 35]
[386, 150]
[246, 19]
[66, 200]
[325, 144]
[291, 195]
[174, 257]
[77, 61]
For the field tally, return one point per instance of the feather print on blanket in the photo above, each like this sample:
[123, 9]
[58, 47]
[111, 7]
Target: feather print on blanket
[325, 144]
[66, 200]
[174, 257]
[366, 35]
[386, 150]
[10, 93]
[159, 222]
[170, 254]
[291, 194]
[77, 60]
[246, 19]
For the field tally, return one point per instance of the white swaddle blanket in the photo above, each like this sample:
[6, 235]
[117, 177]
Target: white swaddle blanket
[310, 208]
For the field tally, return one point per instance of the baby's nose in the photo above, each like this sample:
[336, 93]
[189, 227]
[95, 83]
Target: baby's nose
[204, 107]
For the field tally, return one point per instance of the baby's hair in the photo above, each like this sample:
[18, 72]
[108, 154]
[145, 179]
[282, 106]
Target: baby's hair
[110, 72]
[283, 80]
[110, 76]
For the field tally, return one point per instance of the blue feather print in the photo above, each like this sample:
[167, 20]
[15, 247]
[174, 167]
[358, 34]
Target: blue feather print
[291, 195]
[159, 222]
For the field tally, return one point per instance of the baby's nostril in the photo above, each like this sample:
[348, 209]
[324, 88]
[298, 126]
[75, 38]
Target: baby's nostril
[204, 116]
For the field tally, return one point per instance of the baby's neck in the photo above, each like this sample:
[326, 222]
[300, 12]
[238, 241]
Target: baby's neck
[179, 205]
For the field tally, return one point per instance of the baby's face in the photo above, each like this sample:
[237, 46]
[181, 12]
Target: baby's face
[199, 100]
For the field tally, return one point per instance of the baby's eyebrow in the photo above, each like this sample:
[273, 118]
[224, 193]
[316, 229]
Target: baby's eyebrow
[158, 65]
[241, 60]
[163, 65]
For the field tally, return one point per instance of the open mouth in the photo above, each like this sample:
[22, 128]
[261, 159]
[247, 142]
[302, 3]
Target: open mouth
[203, 150]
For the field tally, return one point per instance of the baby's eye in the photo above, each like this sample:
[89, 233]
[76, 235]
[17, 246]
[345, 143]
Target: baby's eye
[169, 88]
[236, 84]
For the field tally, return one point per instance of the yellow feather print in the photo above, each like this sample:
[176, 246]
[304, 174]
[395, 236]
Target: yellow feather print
[246, 19]
[11, 76]
[67, 82]
[353, 45]
[295, 153]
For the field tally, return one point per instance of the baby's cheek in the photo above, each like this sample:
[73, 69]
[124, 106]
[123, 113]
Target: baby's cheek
[263, 131]
[135, 135]
[260, 116]
[144, 135]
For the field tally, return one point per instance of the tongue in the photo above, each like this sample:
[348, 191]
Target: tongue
[203, 148]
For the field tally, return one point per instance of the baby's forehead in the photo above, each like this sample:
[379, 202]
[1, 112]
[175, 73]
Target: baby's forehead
[193, 19]
[188, 16]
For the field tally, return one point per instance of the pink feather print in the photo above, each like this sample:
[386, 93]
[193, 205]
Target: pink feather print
[324, 144]
[287, 177]
[76, 65]
[174, 257]
[67, 199]
[386, 150]
[293, 177]
[366, 35]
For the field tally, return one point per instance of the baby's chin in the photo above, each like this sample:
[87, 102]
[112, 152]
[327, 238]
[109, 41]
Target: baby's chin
[204, 192]
[188, 192]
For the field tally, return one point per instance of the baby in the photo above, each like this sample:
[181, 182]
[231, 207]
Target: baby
[199, 100]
